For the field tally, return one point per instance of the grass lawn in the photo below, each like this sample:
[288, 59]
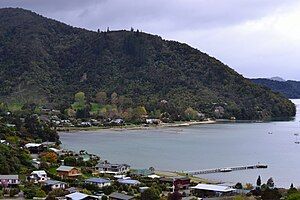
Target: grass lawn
[52, 170]
[13, 107]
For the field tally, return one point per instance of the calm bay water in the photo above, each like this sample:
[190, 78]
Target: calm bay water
[202, 147]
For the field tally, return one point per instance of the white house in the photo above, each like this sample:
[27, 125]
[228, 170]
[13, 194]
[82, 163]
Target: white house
[38, 176]
[9, 180]
[53, 184]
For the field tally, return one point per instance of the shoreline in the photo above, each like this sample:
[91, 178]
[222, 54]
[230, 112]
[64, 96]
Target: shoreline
[159, 126]
[135, 127]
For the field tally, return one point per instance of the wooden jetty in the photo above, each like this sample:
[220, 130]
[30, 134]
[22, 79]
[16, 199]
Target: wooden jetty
[227, 169]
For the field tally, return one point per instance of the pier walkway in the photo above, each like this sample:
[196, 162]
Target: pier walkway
[227, 169]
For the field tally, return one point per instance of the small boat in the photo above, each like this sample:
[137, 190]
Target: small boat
[261, 166]
[296, 134]
[225, 170]
[270, 133]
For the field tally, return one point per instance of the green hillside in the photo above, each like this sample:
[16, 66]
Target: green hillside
[290, 89]
[47, 62]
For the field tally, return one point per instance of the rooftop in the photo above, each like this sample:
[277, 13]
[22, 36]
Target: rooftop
[215, 188]
[109, 165]
[120, 196]
[77, 196]
[97, 180]
[52, 182]
[28, 145]
[65, 168]
[39, 172]
[128, 181]
[15, 177]
[153, 176]
[72, 189]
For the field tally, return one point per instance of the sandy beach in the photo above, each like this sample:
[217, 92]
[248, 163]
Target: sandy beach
[135, 127]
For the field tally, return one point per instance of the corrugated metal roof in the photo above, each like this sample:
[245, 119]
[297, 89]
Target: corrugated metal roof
[39, 173]
[120, 196]
[128, 181]
[15, 177]
[77, 196]
[97, 180]
[215, 188]
[109, 165]
[65, 168]
[53, 182]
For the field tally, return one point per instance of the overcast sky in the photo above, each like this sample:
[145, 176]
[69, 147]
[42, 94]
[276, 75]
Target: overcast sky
[258, 38]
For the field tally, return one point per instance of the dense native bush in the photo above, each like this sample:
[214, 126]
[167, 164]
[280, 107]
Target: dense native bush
[53, 61]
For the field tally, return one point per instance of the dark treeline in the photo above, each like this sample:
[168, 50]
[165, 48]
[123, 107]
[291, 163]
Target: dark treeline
[290, 89]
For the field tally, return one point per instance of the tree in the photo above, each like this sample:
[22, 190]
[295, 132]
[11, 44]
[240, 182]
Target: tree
[49, 157]
[270, 183]
[122, 100]
[13, 192]
[248, 186]
[56, 193]
[152, 169]
[258, 182]
[104, 198]
[271, 194]
[292, 186]
[155, 114]
[150, 194]
[83, 113]
[70, 161]
[40, 193]
[31, 191]
[238, 198]
[191, 114]
[85, 191]
[114, 98]
[113, 112]
[292, 190]
[101, 98]
[238, 186]
[80, 97]
[127, 114]
[293, 196]
[70, 112]
[139, 112]
[174, 196]
[107, 190]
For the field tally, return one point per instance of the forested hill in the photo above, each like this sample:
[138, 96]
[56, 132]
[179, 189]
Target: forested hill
[47, 62]
[290, 89]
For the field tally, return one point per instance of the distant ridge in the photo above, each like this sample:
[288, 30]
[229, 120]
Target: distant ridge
[44, 61]
[277, 78]
[289, 88]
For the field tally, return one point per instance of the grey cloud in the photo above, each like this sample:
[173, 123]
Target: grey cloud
[200, 23]
[148, 14]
